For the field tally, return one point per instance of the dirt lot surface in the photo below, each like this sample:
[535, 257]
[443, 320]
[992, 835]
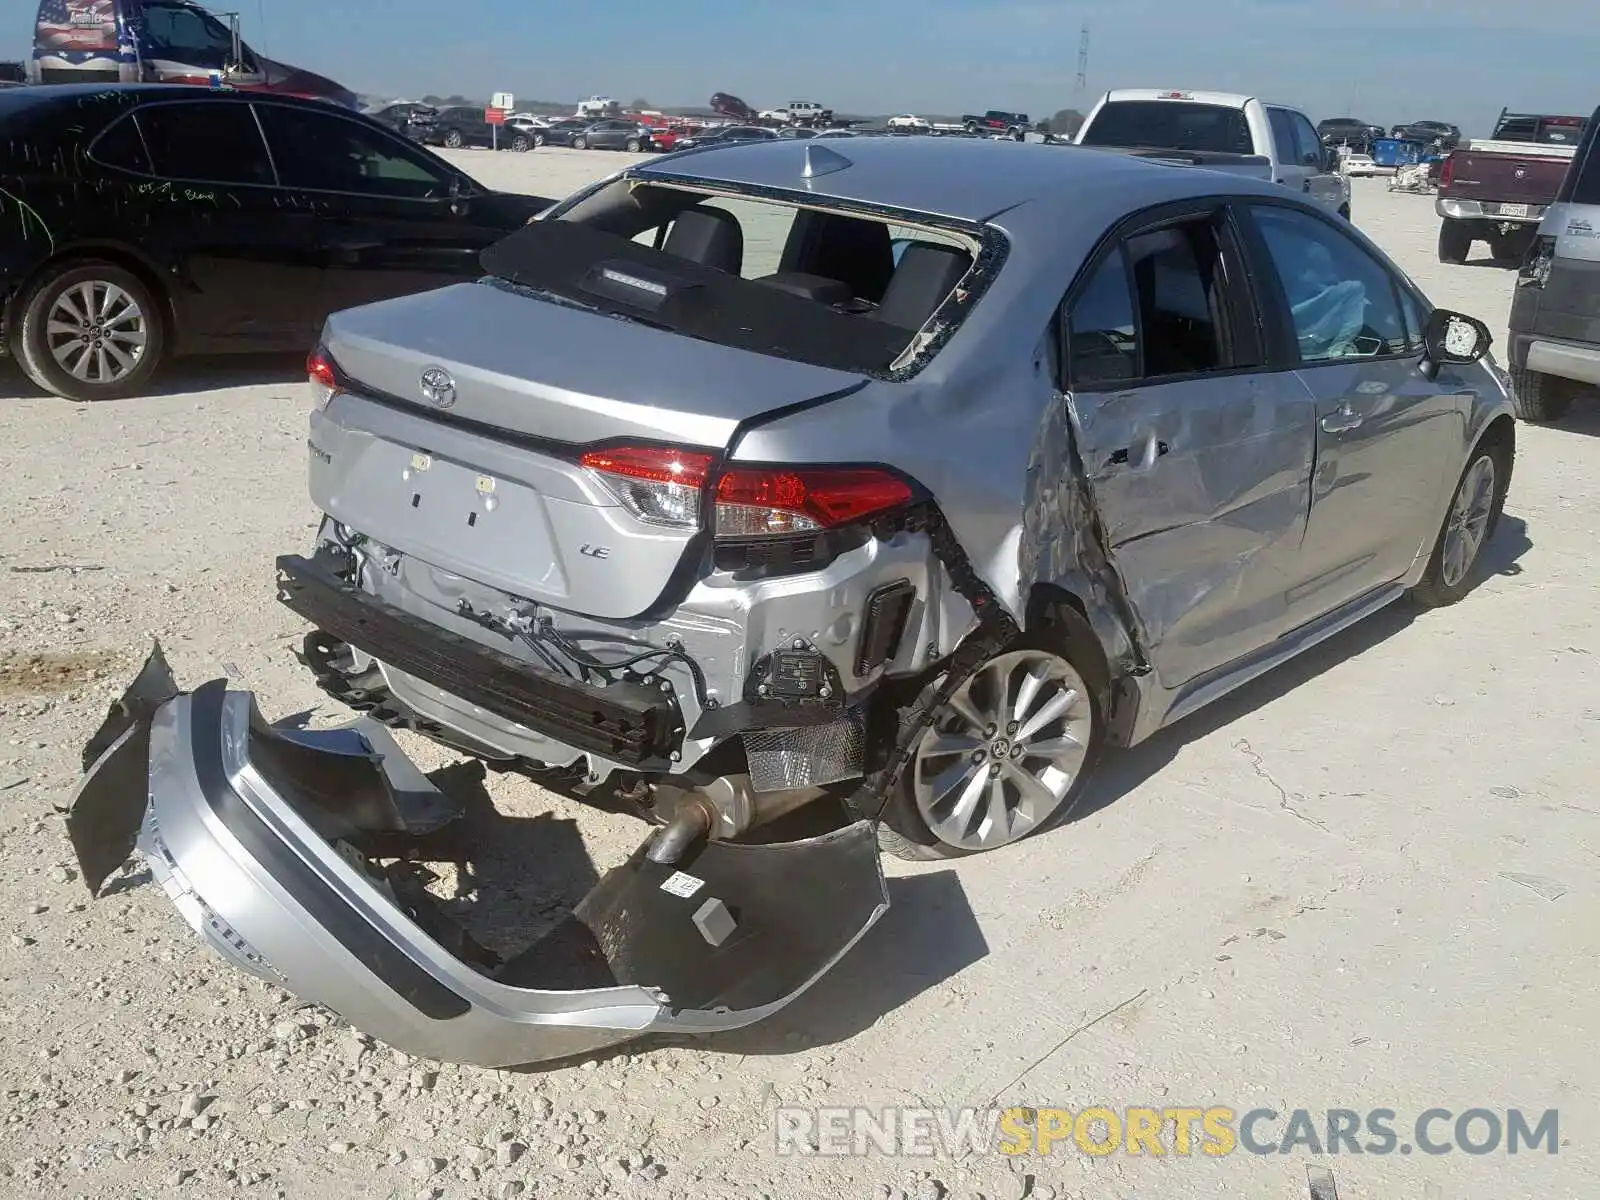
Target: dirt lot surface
[1367, 881]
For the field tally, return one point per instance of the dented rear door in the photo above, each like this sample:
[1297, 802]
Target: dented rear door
[1200, 479]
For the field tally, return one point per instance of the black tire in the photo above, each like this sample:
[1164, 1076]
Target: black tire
[1433, 591]
[971, 127]
[634, 145]
[1455, 241]
[31, 339]
[1539, 397]
[453, 139]
[538, 139]
[580, 143]
[520, 144]
[902, 831]
[1509, 248]
[1344, 211]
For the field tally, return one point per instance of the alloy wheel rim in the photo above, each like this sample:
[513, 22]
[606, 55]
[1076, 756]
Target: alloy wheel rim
[1001, 756]
[1468, 524]
[96, 332]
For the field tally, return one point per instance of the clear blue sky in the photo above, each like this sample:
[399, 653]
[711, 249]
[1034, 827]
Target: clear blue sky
[1381, 60]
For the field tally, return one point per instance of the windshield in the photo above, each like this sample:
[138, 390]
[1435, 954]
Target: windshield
[836, 289]
[1170, 125]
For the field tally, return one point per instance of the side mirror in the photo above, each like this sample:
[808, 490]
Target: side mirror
[1452, 337]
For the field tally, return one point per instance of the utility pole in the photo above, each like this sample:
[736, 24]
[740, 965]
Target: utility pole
[1081, 92]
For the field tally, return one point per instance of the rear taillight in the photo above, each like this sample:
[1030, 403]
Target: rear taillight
[1535, 270]
[662, 486]
[659, 486]
[1448, 171]
[324, 377]
[761, 502]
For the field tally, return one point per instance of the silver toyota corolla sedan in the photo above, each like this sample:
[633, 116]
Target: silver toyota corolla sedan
[890, 480]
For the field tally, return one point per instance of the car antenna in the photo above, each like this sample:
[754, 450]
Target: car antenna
[822, 161]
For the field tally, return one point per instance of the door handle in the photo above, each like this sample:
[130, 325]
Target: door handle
[1124, 456]
[1342, 420]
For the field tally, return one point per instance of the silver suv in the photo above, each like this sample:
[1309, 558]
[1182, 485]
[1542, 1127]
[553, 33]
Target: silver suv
[1555, 311]
[878, 485]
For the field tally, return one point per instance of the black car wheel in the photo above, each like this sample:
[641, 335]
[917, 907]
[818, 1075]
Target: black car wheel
[1455, 241]
[634, 145]
[452, 139]
[580, 142]
[90, 331]
[521, 144]
[538, 138]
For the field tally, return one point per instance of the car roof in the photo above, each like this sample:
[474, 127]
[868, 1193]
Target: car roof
[962, 178]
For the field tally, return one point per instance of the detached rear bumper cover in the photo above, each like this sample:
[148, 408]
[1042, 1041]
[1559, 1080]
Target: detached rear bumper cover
[245, 824]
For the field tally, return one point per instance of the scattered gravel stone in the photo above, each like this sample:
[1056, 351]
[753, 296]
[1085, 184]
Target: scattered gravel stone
[422, 1168]
[340, 1147]
[192, 1105]
[35, 909]
[507, 1153]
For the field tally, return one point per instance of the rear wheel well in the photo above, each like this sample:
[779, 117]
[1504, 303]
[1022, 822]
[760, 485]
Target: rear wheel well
[75, 256]
[1061, 617]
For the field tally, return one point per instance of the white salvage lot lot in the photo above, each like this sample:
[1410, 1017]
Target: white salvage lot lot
[1367, 881]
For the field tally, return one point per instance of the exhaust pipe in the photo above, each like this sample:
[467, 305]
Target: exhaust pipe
[723, 809]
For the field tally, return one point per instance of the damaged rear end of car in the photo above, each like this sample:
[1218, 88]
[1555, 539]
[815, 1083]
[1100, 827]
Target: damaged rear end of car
[540, 546]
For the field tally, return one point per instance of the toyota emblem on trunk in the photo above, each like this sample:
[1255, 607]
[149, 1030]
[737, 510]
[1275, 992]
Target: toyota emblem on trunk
[438, 387]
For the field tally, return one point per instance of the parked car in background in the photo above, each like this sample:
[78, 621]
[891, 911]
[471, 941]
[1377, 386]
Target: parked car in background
[462, 125]
[560, 133]
[599, 106]
[909, 122]
[1221, 131]
[726, 105]
[1555, 310]
[1348, 131]
[161, 220]
[1497, 189]
[415, 120]
[1436, 135]
[911, 545]
[616, 134]
[726, 134]
[808, 112]
[997, 121]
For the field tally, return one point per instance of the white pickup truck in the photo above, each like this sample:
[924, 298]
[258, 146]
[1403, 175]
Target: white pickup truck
[1220, 131]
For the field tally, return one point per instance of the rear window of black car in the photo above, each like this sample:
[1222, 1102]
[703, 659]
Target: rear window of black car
[1170, 125]
[122, 146]
[207, 143]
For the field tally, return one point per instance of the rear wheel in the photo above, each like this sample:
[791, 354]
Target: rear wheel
[1540, 397]
[538, 139]
[1002, 759]
[634, 146]
[1508, 248]
[521, 144]
[1455, 241]
[453, 139]
[90, 331]
[580, 143]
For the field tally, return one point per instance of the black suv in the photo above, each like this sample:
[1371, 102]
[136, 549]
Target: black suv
[151, 220]
[464, 126]
[1348, 131]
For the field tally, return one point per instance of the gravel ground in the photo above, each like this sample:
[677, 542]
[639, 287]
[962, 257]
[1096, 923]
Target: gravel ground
[1366, 881]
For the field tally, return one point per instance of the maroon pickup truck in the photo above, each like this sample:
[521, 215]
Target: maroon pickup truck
[1497, 190]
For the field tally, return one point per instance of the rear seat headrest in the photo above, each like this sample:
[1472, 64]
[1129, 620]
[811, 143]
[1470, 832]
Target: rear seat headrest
[709, 236]
[927, 273]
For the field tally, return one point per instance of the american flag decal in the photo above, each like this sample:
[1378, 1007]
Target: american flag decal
[77, 25]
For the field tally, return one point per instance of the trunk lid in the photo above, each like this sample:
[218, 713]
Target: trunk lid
[540, 369]
[489, 487]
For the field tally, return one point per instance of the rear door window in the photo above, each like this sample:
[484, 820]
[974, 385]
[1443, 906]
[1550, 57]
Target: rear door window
[217, 142]
[326, 152]
[122, 147]
[1308, 146]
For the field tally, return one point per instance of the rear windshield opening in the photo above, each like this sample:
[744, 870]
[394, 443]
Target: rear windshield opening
[1170, 125]
[819, 285]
